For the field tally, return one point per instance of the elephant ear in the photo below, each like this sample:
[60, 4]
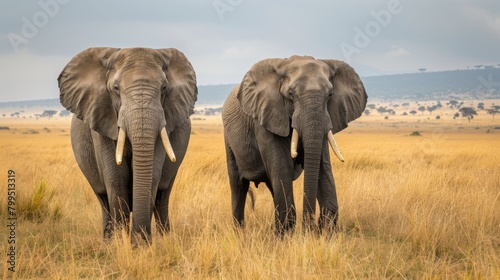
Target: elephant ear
[182, 92]
[349, 96]
[83, 90]
[260, 98]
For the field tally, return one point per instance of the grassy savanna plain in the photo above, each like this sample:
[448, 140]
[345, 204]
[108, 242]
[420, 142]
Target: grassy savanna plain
[411, 207]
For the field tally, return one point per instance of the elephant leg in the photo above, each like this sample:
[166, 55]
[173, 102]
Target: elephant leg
[161, 209]
[270, 187]
[119, 198]
[107, 224]
[278, 166]
[116, 180]
[120, 208]
[102, 197]
[284, 206]
[327, 195]
[168, 170]
[279, 169]
[239, 188]
[85, 155]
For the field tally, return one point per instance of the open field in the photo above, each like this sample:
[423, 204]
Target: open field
[416, 207]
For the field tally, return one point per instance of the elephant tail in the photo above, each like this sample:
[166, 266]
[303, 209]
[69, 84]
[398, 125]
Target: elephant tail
[252, 197]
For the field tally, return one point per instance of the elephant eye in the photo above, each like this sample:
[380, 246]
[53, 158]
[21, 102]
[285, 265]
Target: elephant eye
[290, 92]
[330, 93]
[116, 87]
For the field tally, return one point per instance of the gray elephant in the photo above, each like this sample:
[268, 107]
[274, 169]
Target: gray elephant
[131, 110]
[278, 122]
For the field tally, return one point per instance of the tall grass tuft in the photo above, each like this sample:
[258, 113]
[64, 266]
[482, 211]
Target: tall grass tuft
[38, 206]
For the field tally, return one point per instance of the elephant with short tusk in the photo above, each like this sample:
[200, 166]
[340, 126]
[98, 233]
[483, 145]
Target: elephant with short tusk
[131, 111]
[278, 122]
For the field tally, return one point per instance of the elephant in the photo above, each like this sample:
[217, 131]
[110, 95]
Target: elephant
[131, 110]
[278, 122]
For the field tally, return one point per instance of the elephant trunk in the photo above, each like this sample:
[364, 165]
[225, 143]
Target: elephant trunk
[143, 136]
[143, 131]
[313, 134]
[142, 168]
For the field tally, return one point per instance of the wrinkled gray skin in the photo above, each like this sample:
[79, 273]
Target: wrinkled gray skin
[140, 91]
[276, 95]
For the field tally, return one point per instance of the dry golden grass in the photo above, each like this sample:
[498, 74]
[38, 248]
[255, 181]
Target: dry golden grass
[410, 207]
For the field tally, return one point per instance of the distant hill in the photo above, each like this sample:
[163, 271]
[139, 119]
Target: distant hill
[207, 95]
[44, 103]
[470, 84]
[458, 84]
[213, 94]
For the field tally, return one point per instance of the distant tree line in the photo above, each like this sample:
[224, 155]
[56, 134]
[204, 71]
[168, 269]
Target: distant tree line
[465, 112]
[209, 111]
[45, 114]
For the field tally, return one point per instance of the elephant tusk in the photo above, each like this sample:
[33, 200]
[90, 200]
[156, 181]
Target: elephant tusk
[334, 146]
[167, 145]
[120, 144]
[293, 146]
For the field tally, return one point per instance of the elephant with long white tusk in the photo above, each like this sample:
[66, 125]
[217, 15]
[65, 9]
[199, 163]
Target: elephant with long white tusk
[167, 145]
[131, 111]
[120, 144]
[280, 121]
[331, 140]
[335, 147]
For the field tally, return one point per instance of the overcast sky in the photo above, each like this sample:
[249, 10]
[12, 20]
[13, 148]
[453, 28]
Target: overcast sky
[224, 38]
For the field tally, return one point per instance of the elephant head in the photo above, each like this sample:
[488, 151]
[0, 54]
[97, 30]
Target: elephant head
[137, 94]
[314, 98]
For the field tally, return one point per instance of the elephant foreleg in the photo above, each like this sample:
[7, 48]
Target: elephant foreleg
[114, 179]
[119, 196]
[161, 209]
[284, 206]
[327, 195]
[168, 171]
[85, 155]
[120, 210]
[107, 224]
[269, 187]
[279, 170]
[239, 189]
